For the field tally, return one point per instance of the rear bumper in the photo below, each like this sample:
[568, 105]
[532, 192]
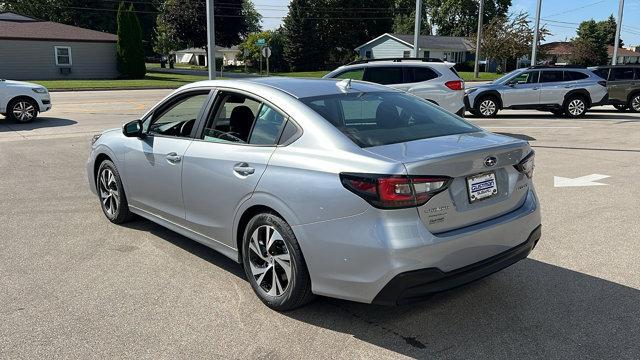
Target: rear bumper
[416, 285]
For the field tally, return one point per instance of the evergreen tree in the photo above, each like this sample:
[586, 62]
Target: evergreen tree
[130, 54]
[304, 46]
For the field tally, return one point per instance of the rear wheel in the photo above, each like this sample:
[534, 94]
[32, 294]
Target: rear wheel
[620, 107]
[487, 107]
[113, 200]
[273, 263]
[22, 110]
[634, 103]
[575, 107]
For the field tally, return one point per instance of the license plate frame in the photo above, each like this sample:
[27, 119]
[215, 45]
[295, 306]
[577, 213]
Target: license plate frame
[481, 186]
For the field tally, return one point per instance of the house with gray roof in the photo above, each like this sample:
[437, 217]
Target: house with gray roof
[34, 49]
[450, 48]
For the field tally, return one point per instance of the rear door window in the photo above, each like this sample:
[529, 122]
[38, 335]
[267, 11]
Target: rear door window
[574, 76]
[551, 76]
[638, 73]
[385, 75]
[355, 74]
[267, 128]
[603, 73]
[621, 74]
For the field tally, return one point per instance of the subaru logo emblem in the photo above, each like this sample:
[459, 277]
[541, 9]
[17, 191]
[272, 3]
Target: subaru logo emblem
[490, 161]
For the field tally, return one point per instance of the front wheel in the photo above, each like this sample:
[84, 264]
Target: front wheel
[487, 107]
[274, 264]
[575, 107]
[634, 103]
[22, 110]
[111, 193]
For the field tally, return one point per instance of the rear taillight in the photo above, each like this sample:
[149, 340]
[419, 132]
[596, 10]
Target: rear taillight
[455, 85]
[394, 191]
[527, 164]
[603, 83]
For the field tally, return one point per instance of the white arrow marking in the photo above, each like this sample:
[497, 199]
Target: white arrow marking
[588, 180]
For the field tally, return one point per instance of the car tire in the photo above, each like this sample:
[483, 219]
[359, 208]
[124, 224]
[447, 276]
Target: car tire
[634, 103]
[22, 110]
[487, 106]
[273, 263]
[575, 106]
[620, 107]
[113, 200]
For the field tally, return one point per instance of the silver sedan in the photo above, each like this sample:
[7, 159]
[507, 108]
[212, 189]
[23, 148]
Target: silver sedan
[322, 187]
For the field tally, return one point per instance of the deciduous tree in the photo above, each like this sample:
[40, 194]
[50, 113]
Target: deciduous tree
[460, 17]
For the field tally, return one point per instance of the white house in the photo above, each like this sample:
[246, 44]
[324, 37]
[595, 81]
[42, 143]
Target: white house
[198, 56]
[450, 48]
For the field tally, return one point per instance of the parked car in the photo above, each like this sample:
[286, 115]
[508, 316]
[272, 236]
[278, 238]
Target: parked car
[430, 79]
[623, 82]
[569, 91]
[342, 188]
[22, 101]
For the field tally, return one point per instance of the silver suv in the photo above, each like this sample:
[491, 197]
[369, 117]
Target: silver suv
[561, 90]
[430, 79]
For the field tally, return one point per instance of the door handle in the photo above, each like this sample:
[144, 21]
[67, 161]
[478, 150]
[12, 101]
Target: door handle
[243, 169]
[173, 158]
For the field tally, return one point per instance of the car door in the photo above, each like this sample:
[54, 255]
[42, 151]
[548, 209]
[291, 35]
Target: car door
[621, 82]
[222, 167]
[522, 90]
[552, 87]
[386, 75]
[153, 163]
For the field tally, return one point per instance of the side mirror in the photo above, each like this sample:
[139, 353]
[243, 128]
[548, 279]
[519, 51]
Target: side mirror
[133, 129]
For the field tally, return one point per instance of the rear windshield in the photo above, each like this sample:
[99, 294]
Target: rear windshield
[381, 118]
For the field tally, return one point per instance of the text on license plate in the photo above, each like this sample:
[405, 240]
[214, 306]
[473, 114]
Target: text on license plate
[482, 186]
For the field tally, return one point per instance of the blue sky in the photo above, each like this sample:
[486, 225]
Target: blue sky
[561, 17]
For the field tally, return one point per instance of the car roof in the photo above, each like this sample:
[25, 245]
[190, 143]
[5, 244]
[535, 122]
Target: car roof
[296, 87]
[399, 64]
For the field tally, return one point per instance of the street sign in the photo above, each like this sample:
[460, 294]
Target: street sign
[266, 51]
[261, 42]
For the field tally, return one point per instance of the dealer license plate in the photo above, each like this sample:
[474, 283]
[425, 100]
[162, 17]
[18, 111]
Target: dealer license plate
[482, 186]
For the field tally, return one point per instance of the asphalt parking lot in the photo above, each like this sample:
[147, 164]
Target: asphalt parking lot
[74, 285]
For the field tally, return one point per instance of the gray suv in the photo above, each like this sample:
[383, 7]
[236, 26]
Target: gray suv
[561, 90]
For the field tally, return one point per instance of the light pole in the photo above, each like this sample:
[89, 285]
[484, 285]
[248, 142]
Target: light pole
[534, 47]
[614, 61]
[476, 67]
[211, 40]
[416, 29]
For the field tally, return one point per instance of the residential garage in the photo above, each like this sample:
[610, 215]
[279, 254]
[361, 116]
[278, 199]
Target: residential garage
[33, 49]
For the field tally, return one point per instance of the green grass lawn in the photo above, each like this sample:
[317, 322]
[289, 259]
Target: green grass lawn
[307, 74]
[468, 76]
[151, 80]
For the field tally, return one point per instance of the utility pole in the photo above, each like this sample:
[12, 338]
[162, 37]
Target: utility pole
[476, 67]
[614, 61]
[534, 46]
[416, 29]
[211, 40]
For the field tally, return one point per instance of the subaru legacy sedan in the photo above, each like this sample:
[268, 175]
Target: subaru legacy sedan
[342, 188]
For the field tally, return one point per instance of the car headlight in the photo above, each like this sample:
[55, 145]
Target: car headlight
[40, 90]
[470, 90]
[95, 138]
[527, 164]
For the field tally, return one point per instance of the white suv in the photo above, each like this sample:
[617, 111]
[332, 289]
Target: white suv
[22, 101]
[431, 80]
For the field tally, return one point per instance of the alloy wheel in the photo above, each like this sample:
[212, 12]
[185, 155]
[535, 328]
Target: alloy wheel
[487, 107]
[635, 103]
[576, 107]
[109, 194]
[269, 260]
[23, 111]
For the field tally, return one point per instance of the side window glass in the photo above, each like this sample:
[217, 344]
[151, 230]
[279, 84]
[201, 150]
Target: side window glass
[638, 73]
[574, 76]
[524, 78]
[384, 75]
[233, 119]
[551, 76]
[267, 128]
[603, 73]
[355, 74]
[621, 74]
[423, 74]
[179, 119]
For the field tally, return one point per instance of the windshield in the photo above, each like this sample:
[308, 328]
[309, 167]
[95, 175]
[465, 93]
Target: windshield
[381, 118]
[506, 76]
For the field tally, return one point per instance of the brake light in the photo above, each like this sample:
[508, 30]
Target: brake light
[527, 164]
[394, 191]
[455, 85]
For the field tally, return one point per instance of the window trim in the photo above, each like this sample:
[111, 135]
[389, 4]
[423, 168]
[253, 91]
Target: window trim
[169, 103]
[55, 55]
[215, 103]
